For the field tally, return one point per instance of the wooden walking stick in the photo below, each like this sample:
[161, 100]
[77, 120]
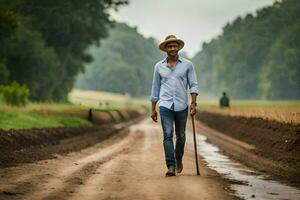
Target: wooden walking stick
[195, 145]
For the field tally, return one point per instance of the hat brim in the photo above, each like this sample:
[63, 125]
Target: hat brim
[162, 46]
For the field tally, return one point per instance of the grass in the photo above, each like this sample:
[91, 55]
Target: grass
[19, 120]
[40, 115]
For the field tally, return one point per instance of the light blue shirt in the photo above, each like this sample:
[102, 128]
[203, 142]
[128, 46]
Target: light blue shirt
[170, 86]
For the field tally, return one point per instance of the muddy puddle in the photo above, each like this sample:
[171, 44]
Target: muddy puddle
[246, 183]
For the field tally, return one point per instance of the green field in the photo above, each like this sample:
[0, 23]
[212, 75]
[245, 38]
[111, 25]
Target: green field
[26, 120]
[40, 115]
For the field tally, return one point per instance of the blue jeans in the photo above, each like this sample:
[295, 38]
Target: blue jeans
[168, 117]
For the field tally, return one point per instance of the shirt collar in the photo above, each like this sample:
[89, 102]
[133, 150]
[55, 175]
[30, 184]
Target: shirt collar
[179, 59]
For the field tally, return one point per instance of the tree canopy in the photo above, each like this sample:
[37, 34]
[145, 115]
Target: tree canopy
[44, 42]
[256, 56]
[123, 63]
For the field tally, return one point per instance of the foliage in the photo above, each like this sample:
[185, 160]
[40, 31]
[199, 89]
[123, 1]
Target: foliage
[14, 94]
[45, 42]
[256, 56]
[36, 67]
[281, 69]
[8, 25]
[124, 63]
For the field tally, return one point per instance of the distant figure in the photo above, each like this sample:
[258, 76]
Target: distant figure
[224, 101]
[90, 115]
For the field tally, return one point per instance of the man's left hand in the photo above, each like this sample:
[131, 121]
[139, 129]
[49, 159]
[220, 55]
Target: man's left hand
[192, 109]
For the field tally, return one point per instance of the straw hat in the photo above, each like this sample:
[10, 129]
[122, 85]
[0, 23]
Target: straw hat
[168, 39]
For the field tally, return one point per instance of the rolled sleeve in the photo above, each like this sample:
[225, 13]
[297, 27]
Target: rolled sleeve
[192, 80]
[155, 85]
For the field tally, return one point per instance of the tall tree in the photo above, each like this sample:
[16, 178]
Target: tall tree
[8, 25]
[281, 70]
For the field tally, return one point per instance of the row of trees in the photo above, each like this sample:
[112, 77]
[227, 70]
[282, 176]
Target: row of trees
[43, 43]
[257, 56]
[124, 63]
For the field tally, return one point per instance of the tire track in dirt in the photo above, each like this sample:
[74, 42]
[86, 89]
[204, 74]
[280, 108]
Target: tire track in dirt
[76, 175]
[48, 177]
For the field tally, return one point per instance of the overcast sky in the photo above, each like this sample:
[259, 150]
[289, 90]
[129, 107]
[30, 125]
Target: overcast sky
[194, 21]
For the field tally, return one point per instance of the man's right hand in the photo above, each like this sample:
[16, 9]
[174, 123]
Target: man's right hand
[154, 115]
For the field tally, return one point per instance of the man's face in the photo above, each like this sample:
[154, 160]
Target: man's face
[172, 48]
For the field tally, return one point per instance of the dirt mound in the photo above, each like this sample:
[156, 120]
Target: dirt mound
[273, 140]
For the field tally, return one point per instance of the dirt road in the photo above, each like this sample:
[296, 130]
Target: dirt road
[129, 165]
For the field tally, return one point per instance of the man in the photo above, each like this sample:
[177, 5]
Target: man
[224, 101]
[171, 79]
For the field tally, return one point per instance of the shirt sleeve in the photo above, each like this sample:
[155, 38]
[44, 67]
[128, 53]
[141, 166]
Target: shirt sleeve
[155, 85]
[192, 80]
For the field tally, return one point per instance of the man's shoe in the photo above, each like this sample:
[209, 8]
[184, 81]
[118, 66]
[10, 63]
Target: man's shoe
[179, 166]
[171, 171]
